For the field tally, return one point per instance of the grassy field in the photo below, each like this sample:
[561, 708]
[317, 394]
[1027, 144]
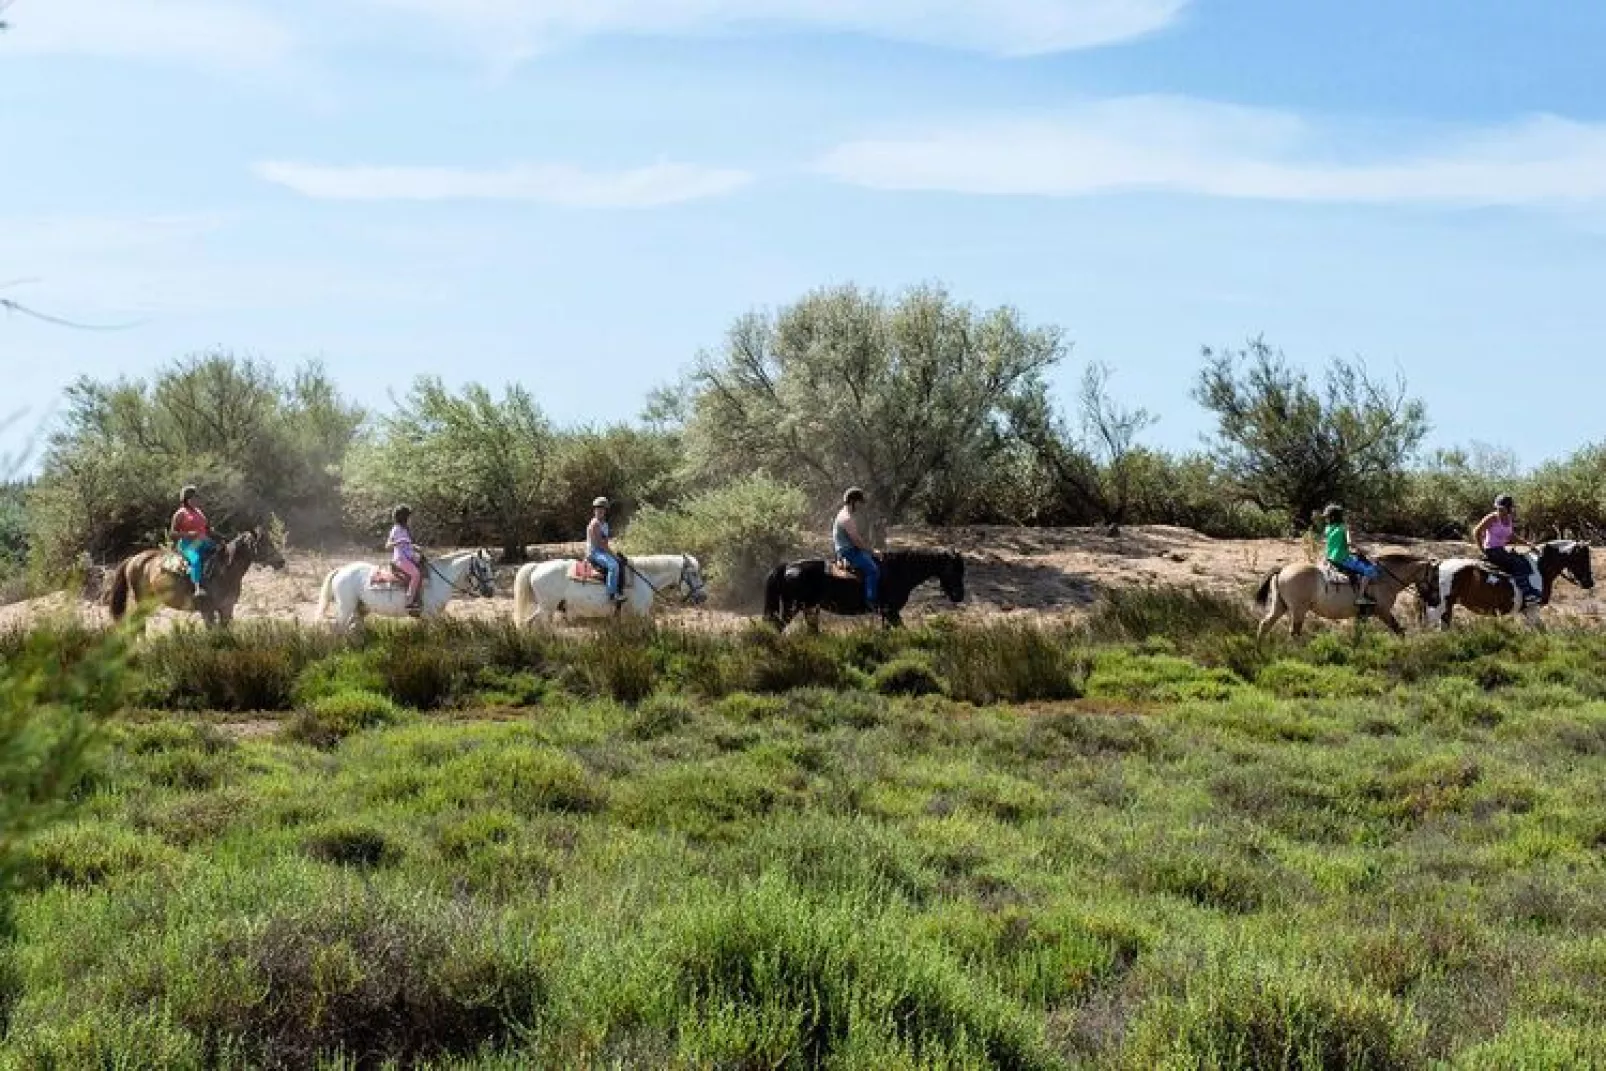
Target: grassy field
[1142, 842]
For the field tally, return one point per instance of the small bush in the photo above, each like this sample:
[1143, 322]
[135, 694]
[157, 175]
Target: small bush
[907, 676]
[1156, 678]
[1008, 664]
[1249, 1017]
[251, 667]
[1179, 614]
[660, 716]
[331, 719]
[353, 844]
[89, 854]
[423, 677]
[1288, 679]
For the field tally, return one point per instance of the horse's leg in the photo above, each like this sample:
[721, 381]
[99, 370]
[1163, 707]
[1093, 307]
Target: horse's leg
[1388, 618]
[1296, 621]
[812, 616]
[1278, 608]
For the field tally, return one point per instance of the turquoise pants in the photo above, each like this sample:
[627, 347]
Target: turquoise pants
[196, 551]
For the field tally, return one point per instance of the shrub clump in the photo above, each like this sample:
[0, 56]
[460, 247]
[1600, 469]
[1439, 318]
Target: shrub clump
[1008, 664]
[907, 676]
[331, 719]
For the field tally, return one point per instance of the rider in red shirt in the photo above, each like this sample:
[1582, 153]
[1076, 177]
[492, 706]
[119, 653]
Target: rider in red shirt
[193, 535]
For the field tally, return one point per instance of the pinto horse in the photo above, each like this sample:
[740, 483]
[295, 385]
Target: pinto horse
[1301, 589]
[150, 575]
[1482, 589]
[808, 586]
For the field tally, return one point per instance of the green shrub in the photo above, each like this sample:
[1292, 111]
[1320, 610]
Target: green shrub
[1179, 614]
[251, 667]
[1249, 1016]
[660, 716]
[332, 718]
[1288, 679]
[737, 532]
[344, 842]
[909, 675]
[1156, 678]
[1008, 663]
[90, 853]
[1529, 1045]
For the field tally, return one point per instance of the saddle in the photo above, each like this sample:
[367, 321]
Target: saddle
[583, 572]
[841, 569]
[173, 563]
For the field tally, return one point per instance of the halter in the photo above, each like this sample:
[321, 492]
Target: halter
[683, 587]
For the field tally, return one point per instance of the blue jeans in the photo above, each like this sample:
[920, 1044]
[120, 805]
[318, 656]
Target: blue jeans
[195, 551]
[1358, 567]
[1509, 561]
[869, 568]
[608, 564]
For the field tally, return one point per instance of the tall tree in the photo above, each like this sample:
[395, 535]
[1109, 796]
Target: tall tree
[849, 387]
[469, 464]
[1292, 447]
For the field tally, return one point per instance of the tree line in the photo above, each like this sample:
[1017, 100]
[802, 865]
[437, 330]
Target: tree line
[940, 410]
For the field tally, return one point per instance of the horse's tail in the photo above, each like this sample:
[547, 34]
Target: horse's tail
[523, 594]
[121, 588]
[1266, 590]
[772, 594]
[326, 593]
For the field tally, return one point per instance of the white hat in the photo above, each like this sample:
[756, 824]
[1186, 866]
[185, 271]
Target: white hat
[599, 501]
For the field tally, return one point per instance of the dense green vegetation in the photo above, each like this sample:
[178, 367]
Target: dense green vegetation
[1143, 841]
[943, 411]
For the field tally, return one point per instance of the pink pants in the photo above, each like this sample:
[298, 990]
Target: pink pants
[414, 577]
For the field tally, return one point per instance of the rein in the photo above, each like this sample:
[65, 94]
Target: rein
[433, 568]
[685, 596]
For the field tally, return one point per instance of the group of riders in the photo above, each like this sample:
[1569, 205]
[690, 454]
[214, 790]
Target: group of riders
[193, 539]
[1495, 535]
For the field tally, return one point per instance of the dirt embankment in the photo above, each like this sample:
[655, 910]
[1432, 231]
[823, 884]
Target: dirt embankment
[1043, 571]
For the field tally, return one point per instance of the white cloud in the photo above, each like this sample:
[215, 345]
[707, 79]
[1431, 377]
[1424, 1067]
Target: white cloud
[559, 184]
[212, 34]
[1002, 27]
[1188, 146]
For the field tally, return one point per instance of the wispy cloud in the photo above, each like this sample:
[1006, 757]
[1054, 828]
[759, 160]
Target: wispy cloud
[1196, 147]
[211, 34]
[1003, 27]
[559, 184]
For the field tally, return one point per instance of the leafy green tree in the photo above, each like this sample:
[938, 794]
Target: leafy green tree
[255, 443]
[849, 387]
[1291, 447]
[634, 467]
[475, 468]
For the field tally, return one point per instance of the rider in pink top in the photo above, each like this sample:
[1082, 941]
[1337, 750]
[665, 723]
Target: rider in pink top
[403, 555]
[1495, 534]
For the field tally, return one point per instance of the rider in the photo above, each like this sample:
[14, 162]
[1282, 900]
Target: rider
[404, 556]
[1495, 534]
[851, 547]
[1343, 558]
[193, 536]
[599, 547]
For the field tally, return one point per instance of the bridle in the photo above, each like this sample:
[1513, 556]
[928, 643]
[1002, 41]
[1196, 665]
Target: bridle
[685, 587]
[473, 571]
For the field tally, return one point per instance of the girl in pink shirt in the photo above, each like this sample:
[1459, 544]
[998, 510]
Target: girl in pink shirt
[1494, 535]
[403, 555]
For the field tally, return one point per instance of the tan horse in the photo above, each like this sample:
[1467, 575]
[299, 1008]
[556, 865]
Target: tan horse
[1302, 588]
[147, 577]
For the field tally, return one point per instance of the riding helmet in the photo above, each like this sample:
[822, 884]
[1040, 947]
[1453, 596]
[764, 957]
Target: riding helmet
[1505, 502]
[1333, 510]
[401, 513]
[852, 495]
[600, 503]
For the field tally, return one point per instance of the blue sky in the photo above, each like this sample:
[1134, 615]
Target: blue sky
[565, 191]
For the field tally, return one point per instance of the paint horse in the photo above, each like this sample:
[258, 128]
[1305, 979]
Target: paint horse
[161, 576]
[1483, 589]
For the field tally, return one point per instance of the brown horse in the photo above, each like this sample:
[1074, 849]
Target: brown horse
[149, 575]
[1482, 589]
[1302, 588]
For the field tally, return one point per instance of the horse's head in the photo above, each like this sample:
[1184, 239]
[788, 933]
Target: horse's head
[480, 574]
[952, 576]
[1427, 584]
[1573, 562]
[691, 581]
[259, 546]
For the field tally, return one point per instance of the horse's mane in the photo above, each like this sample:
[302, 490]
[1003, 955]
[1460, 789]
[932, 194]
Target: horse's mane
[921, 556]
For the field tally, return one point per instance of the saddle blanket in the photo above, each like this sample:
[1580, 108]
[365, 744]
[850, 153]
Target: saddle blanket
[173, 562]
[583, 572]
[387, 576]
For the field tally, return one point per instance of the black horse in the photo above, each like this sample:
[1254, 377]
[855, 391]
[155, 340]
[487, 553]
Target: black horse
[807, 587]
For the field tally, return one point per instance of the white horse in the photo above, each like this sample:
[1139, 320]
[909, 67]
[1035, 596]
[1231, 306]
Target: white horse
[464, 573]
[546, 588]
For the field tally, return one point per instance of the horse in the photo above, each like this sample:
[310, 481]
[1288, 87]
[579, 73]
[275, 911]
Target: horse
[808, 586]
[160, 575]
[1301, 588]
[550, 587]
[351, 589]
[1473, 583]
